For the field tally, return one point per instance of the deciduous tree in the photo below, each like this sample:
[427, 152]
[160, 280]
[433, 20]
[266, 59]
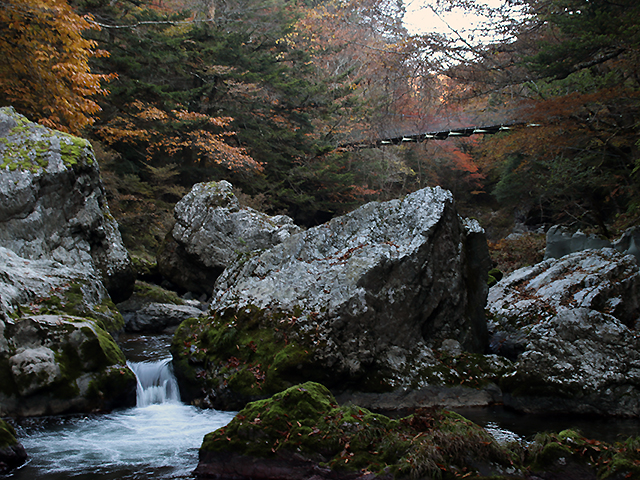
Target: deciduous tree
[45, 71]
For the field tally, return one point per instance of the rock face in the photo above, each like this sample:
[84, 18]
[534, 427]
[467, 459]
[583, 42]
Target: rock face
[52, 364]
[12, 453]
[46, 286]
[211, 230]
[151, 309]
[359, 303]
[52, 205]
[61, 258]
[579, 361]
[571, 325]
[602, 280]
[159, 317]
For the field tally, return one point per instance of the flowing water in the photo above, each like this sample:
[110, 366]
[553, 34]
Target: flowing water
[158, 439]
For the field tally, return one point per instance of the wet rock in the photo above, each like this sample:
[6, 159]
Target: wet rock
[211, 230]
[358, 303]
[579, 361]
[301, 433]
[53, 364]
[152, 309]
[12, 453]
[53, 206]
[159, 317]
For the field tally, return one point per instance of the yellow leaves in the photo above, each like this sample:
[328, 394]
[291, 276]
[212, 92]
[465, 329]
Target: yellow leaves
[45, 71]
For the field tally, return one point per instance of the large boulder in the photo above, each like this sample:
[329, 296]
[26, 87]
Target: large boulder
[53, 206]
[61, 259]
[159, 317]
[603, 280]
[45, 286]
[579, 361]
[301, 433]
[152, 309]
[53, 364]
[570, 326]
[211, 230]
[358, 303]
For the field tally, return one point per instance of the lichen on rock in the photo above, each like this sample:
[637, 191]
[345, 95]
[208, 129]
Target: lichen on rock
[359, 303]
[53, 206]
[212, 229]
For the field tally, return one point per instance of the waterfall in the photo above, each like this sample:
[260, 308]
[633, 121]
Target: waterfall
[156, 382]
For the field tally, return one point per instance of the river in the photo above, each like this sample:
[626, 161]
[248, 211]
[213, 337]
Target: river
[159, 438]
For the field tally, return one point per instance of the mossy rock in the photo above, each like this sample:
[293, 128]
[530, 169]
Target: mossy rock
[12, 453]
[148, 293]
[241, 356]
[70, 300]
[305, 423]
[7, 435]
[58, 364]
[571, 453]
[238, 356]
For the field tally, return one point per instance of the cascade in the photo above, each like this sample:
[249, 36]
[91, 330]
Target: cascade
[156, 382]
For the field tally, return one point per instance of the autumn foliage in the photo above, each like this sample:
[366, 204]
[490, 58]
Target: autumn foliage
[45, 72]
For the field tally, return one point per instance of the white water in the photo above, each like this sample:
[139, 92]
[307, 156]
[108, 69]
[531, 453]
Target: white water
[156, 383]
[158, 439]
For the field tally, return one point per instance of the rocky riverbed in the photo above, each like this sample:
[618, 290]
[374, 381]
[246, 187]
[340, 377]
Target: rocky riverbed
[387, 307]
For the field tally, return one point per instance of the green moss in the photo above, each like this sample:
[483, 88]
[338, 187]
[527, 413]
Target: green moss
[494, 276]
[100, 351]
[70, 301]
[251, 352]
[156, 294]
[7, 435]
[112, 382]
[306, 420]
[20, 152]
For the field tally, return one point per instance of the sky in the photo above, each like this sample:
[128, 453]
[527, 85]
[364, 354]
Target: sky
[421, 19]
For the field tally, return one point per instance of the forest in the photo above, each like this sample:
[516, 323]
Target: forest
[275, 96]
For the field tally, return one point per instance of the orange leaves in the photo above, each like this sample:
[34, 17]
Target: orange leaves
[178, 132]
[45, 72]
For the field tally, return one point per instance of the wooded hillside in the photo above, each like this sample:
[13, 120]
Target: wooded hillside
[263, 93]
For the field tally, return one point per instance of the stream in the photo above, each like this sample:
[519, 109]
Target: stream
[159, 438]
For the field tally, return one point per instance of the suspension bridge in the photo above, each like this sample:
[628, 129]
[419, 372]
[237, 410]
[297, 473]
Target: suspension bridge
[438, 135]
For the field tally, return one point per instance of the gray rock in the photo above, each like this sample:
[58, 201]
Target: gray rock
[579, 361]
[603, 280]
[53, 206]
[359, 303]
[393, 273]
[46, 286]
[562, 240]
[53, 364]
[211, 230]
[12, 453]
[159, 317]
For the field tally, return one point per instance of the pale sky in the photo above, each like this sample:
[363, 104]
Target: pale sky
[420, 19]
